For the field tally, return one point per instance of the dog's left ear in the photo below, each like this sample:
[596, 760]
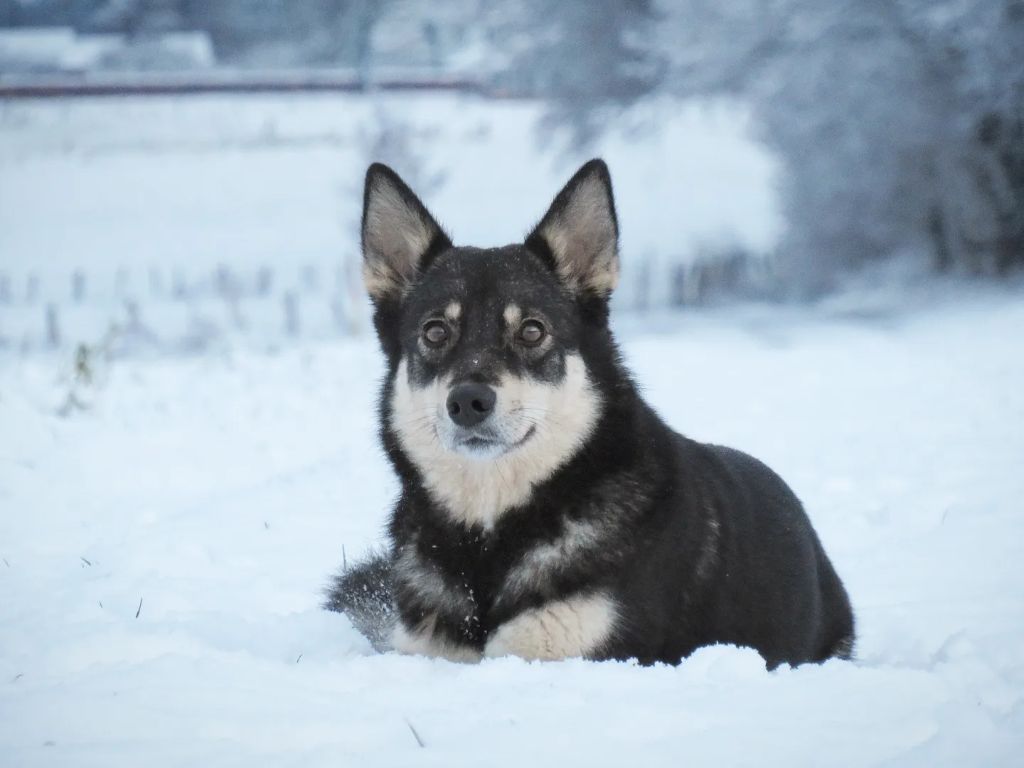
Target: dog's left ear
[580, 234]
[398, 233]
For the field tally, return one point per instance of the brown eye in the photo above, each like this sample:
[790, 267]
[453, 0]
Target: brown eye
[435, 333]
[531, 333]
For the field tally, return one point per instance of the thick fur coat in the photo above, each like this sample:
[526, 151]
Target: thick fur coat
[546, 510]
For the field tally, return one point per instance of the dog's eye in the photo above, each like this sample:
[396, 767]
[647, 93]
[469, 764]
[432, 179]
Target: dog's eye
[435, 333]
[531, 333]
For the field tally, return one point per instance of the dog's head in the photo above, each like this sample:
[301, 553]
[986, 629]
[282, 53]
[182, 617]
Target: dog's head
[487, 347]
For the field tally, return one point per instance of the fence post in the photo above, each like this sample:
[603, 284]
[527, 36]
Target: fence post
[222, 280]
[52, 326]
[310, 278]
[264, 281]
[679, 286]
[179, 290]
[291, 314]
[643, 285]
[78, 286]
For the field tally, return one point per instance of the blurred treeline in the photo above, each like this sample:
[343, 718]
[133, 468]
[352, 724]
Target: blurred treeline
[899, 123]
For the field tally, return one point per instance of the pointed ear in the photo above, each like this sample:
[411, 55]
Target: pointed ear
[398, 232]
[580, 234]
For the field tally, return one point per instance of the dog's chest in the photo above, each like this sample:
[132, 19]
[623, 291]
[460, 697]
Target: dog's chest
[474, 561]
[460, 575]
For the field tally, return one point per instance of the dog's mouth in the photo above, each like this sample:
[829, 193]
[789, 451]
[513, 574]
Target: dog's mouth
[487, 446]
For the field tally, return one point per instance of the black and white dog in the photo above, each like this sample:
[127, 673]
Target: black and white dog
[546, 510]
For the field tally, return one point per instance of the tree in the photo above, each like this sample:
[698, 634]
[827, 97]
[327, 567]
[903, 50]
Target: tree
[900, 123]
[588, 60]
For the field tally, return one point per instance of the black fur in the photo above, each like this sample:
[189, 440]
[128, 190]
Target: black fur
[366, 594]
[698, 544]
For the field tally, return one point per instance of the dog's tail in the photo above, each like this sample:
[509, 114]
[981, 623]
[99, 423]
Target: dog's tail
[364, 593]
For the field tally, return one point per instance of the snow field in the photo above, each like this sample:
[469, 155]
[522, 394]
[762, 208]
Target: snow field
[147, 199]
[219, 491]
[164, 542]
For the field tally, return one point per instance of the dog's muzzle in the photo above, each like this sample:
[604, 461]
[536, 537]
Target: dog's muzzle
[476, 430]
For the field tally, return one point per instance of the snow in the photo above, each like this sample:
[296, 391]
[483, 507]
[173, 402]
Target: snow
[163, 543]
[219, 491]
[141, 192]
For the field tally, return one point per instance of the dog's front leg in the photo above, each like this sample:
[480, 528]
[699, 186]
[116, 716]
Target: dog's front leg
[560, 629]
[423, 640]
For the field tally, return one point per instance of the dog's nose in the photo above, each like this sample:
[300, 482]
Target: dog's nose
[470, 404]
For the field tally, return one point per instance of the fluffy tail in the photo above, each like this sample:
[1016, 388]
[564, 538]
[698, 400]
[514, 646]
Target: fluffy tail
[363, 592]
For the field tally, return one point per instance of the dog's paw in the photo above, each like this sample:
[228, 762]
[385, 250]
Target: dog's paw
[561, 629]
[421, 641]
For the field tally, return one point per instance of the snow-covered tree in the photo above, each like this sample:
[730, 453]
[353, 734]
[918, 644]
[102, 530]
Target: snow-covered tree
[900, 123]
[588, 60]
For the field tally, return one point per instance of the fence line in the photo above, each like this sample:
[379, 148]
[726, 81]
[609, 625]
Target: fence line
[165, 305]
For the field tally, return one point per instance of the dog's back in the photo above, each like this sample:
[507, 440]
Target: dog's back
[736, 550]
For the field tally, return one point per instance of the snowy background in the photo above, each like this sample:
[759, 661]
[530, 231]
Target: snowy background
[187, 374]
[185, 220]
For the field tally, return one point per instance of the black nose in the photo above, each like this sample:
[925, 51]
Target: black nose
[470, 404]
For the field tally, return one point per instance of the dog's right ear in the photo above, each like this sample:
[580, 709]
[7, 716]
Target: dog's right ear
[397, 233]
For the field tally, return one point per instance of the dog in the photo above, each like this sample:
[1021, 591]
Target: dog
[546, 511]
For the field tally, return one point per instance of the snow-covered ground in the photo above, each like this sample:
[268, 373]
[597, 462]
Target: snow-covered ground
[163, 553]
[168, 519]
